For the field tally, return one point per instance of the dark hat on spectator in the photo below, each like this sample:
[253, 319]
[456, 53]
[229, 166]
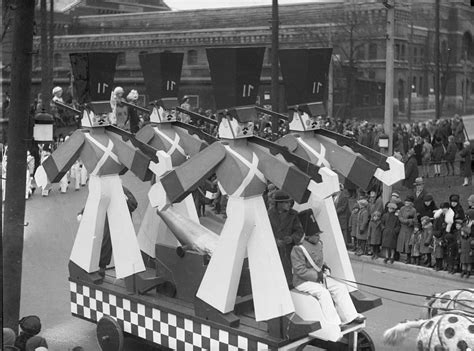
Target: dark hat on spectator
[363, 203]
[458, 220]
[392, 205]
[454, 198]
[36, 342]
[410, 198]
[419, 181]
[470, 213]
[425, 219]
[281, 196]
[428, 197]
[445, 205]
[30, 324]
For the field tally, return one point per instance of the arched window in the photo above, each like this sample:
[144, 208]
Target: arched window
[57, 60]
[192, 57]
[467, 46]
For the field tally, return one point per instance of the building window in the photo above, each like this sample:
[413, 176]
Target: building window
[414, 85]
[420, 85]
[36, 61]
[57, 60]
[402, 53]
[379, 99]
[372, 74]
[360, 53]
[397, 51]
[372, 51]
[365, 100]
[415, 56]
[121, 59]
[192, 57]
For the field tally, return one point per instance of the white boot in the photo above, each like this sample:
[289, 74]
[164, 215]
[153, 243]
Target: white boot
[466, 182]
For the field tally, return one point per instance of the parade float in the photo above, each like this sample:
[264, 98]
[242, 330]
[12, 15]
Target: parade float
[199, 289]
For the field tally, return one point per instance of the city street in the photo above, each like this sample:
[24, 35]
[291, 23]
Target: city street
[49, 234]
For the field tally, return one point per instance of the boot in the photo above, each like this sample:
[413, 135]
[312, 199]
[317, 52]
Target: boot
[466, 182]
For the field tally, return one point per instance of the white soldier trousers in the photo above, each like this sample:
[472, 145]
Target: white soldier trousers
[247, 231]
[106, 196]
[335, 301]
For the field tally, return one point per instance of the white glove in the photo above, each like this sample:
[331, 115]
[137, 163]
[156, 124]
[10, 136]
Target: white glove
[164, 164]
[41, 178]
[157, 196]
[328, 186]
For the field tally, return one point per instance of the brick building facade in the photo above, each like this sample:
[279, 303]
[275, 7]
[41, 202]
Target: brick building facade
[356, 29]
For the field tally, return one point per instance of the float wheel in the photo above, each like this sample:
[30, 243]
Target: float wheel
[364, 341]
[109, 334]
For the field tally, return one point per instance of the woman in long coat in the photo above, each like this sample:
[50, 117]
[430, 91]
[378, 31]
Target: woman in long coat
[466, 170]
[407, 217]
[390, 230]
[362, 227]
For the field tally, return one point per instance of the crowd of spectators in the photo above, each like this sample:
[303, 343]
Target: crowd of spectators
[28, 338]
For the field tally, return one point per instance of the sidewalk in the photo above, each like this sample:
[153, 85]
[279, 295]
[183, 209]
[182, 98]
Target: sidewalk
[400, 265]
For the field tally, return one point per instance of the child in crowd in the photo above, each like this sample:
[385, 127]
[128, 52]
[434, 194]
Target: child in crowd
[415, 244]
[390, 230]
[466, 251]
[362, 227]
[375, 234]
[426, 240]
[353, 224]
[438, 249]
[452, 247]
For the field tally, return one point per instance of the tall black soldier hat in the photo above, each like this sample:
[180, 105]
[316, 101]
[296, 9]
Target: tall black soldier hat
[235, 76]
[309, 223]
[305, 73]
[162, 76]
[93, 74]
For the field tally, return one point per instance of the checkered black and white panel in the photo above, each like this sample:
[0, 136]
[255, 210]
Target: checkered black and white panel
[163, 328]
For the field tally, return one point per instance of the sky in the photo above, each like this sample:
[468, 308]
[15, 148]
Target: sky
[201, 4]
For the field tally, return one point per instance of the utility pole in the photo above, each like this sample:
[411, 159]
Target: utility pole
[45, 67]
[389, 73]
[330, 78]
[275, 70]
[51, 44]
[410, 71]
[437, 59]
[14, 216]
[464, 92]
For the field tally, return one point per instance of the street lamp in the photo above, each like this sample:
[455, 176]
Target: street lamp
[43, 129]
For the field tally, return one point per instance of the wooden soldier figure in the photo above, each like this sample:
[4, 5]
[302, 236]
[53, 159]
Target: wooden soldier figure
[106, 155]
[242, 170]
[162, 74]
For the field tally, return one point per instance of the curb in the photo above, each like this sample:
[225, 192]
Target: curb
[410, 268]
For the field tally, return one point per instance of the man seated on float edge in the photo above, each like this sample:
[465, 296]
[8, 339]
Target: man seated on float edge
[312, 276]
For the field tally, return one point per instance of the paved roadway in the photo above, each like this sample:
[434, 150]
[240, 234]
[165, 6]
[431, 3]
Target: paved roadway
[49, 237]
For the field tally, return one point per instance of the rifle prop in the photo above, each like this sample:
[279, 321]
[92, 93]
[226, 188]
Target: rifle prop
[136, 107]
[303, 165]
[373, 156]
[145, 148]
[197, 115]
[271, 113]
[196, 130]
[67, 107]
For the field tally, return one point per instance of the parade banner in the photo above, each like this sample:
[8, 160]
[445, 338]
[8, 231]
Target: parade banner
[93, 75]
[235, 75]
[162, 74]
[305, 73]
